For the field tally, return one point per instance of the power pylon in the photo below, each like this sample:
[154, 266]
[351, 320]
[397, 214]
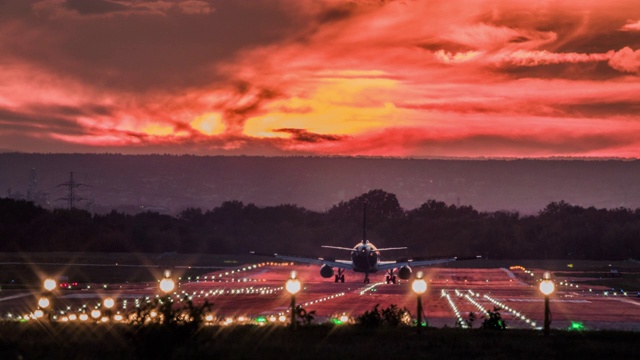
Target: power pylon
[72, 197]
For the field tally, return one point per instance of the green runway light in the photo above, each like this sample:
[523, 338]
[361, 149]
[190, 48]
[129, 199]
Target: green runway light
[576, 326]
[261, 319]
[336, 321]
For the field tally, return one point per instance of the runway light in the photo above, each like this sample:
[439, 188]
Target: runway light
[109, 302]
[282, 318]
[38, 313]
[73, 317]
[49, 284]
[84, 317]
[43, 302]
[118, 317]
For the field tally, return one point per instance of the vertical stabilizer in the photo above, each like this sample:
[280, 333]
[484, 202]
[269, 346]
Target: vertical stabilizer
[364, 223]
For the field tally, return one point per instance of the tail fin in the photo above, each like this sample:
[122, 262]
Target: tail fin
[364, 223]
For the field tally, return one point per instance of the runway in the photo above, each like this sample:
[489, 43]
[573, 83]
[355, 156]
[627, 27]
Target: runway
[253, 291]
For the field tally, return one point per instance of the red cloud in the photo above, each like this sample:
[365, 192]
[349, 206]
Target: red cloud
[442, 78]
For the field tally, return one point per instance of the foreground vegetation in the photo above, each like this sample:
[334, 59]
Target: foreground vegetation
[560, 231]
[89, 341]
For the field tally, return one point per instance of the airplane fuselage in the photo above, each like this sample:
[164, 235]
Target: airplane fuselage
[365, 257]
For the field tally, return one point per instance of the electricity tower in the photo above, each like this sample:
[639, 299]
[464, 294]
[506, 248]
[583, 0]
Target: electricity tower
[72, 196]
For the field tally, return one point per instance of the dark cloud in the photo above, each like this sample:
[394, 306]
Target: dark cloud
[596, 109]
[597, 70]
[143, 51]
[604, 41]
[440, 44]
[303, 135]
[36, 123]
[425, 143]
[95, 6]
[249, 103]
[337, 13]
[72, 111]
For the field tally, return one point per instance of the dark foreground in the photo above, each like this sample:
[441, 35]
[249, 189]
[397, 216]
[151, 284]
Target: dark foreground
[84, 341]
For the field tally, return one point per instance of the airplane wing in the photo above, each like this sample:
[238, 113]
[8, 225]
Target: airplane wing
[393, 248]
[337, 247]
[386, 265]
[342, 264]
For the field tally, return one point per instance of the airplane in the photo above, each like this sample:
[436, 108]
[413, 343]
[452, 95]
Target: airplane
[366, 258]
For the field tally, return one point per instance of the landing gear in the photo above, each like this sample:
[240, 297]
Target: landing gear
[366, 278]
[391, 278]
[340, 276]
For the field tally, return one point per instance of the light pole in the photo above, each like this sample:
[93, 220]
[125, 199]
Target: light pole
[293, 286]
[419, 286]
[49, 285]
[547, 287]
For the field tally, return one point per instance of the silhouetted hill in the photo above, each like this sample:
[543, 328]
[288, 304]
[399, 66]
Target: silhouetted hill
[169, 184]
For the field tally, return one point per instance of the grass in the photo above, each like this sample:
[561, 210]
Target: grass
[82, 341]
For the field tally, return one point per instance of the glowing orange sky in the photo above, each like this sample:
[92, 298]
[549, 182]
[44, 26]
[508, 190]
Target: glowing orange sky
[392, 78]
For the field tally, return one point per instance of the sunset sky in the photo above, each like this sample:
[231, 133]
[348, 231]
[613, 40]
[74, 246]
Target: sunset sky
[428, 78]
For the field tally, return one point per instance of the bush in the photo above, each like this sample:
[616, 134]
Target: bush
[391, 316]
[493, 320]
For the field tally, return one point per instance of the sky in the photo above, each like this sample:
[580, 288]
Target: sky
[432, 78]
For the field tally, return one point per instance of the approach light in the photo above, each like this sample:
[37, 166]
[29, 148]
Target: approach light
[49, 284]
[167, 285]
[109, 302]
[44, 302]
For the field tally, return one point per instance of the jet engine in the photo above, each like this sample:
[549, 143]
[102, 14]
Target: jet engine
[404, 272]
[326, 271]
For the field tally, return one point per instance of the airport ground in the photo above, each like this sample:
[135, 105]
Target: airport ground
[251, 296]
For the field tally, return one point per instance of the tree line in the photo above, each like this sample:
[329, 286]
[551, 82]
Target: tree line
[559, 231]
